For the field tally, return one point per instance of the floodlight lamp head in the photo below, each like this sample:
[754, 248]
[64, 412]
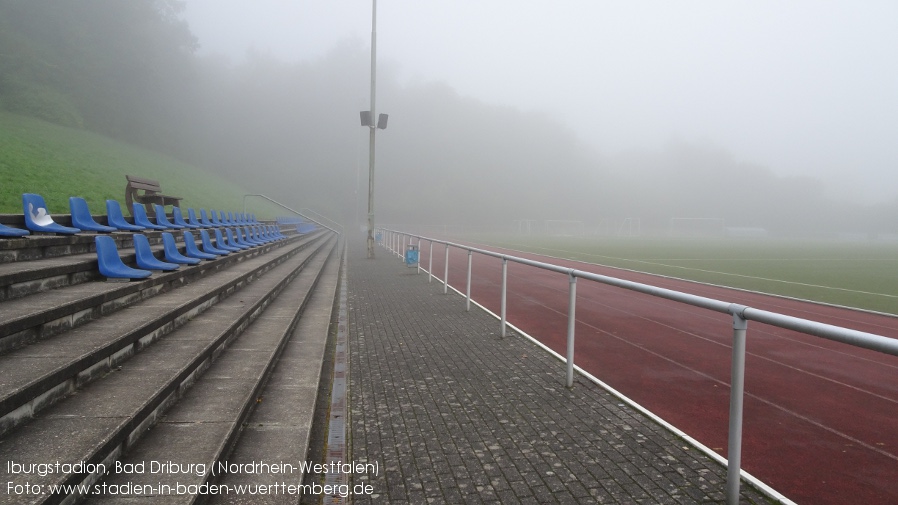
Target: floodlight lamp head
[365, 116]
[382, 121]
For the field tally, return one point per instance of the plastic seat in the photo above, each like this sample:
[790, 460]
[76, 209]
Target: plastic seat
[192, 221]
[208, 247]
[9, 231]
[37, 217]
[141, 219]
[232, 240]
[177, 218]
[117, 220]
[250, 237]
[204, 219]
[192, 251]
[214, 219]
[111, 264]
[162, 219]
[221, 244]
[145, 257]
[224, 218]
[82, 219]
[172, 254]
[239, 240]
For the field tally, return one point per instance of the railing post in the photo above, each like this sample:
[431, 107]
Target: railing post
[430, 265]
[571, 319]
[737, 395]
[468, 294]
[446, 272]
[504, 294]
[419, 256]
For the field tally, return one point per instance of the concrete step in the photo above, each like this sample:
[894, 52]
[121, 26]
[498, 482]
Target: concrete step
[279, 428]
[37, 375]
[211, 415]
[102, 420]
[32, 318]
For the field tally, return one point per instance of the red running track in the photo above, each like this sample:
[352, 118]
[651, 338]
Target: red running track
[821, 418]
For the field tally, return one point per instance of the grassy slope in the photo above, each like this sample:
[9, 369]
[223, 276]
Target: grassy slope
[58, 162]
[855, 274]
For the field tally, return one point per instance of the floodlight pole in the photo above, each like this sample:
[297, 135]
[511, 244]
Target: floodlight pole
[373, 128]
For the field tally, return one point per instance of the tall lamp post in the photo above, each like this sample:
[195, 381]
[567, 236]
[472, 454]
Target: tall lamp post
[367, 117]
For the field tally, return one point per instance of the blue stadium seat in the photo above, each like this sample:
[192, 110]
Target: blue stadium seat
[145, 257]
[240, 240]
[116, 219]
[192, 221]
[250, 236]
[82, 219]
[204, 219]
[214, 219]
[141, 219]
[193, 251]
[178, 218]
[162, 219]
[172, 254]
[221, 244]
[208, 247]
[224, 219]
[232, 240]
[111, 264]
[37, 217]
[8, 231]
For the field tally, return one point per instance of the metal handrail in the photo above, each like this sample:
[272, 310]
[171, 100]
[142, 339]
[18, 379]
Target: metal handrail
[298, 213]
[741, 315]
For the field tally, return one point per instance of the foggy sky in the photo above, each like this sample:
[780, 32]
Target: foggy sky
[801, 87]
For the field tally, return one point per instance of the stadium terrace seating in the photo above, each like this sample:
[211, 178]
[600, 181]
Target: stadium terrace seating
[221, 244]
[82, 219]
[92, 371]
[192, 251]
[162, 219]
[178, 219]
[145, 257]
[141, 219]
[171, 252]
[111, 264]
[8, 231]
[208, 247]
[37, 217]
[117, 220]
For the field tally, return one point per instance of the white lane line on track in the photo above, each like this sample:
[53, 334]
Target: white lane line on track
[726, 384]
[753, 277]
[682, 331]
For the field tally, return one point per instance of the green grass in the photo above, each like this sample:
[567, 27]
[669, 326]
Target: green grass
[855, 274]
[58, 162]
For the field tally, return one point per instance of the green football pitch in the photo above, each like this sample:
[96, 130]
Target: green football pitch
[862, 274]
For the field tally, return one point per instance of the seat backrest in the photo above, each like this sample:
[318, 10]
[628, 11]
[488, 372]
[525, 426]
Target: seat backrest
[36, 210]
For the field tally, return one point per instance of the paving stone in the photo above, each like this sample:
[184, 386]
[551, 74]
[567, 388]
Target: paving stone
[452, 413]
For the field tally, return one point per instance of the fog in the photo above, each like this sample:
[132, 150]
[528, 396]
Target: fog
[804, 88]
[764, 114]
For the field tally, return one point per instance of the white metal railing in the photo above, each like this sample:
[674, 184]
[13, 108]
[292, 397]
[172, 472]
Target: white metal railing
[397, 241]
[302, 213]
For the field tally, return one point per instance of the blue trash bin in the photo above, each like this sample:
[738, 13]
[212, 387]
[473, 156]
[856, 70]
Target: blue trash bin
[411, 256]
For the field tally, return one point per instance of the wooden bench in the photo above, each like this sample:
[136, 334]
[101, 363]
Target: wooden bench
[151, 194]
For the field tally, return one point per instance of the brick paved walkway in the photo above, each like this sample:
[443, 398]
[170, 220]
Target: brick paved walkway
[448, 412]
